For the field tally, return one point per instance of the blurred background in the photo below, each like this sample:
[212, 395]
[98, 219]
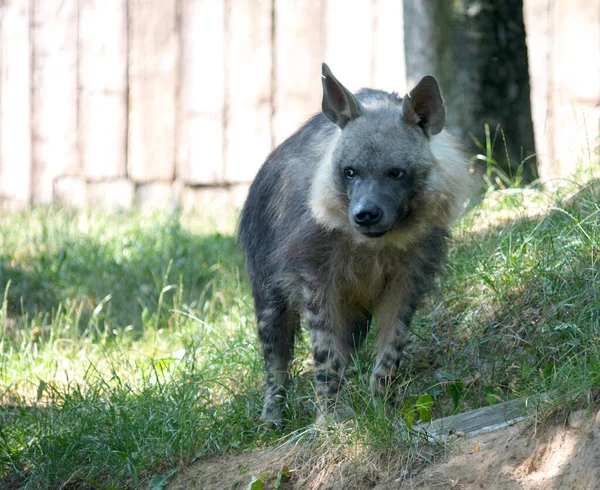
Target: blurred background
[157, 103]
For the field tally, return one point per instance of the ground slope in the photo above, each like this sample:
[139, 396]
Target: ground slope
[525, 457]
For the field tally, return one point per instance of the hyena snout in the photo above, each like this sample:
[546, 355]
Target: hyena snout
[367, 214]
[371, 217]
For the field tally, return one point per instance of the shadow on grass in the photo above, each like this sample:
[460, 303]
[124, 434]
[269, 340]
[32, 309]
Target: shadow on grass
[121, 436]
[124, 274]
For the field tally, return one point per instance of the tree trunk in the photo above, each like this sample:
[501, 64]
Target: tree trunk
[477, 50]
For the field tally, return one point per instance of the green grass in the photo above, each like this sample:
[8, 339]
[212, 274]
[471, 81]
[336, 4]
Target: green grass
[128, 348]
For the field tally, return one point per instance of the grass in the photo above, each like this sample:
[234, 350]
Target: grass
[128, 348]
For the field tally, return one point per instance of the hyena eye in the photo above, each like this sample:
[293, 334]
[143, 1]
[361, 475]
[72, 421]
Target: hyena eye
[396, 173]
[349, 172]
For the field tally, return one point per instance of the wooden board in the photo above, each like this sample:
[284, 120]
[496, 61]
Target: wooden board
[575, 79]
[54, 95]
[249, 90]
[224, 202]
[562, 43]
[156, 197]
[111, 195]
[153, 62]
[70, 191]
[299, 51]
[481, 420]
[15, 102]
[103, 88]
[200, 136]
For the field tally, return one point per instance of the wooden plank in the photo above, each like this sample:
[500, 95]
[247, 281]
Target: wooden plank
[111, 195]
[15, 102]
[389, 69]
[224, 202]
[200, 138]
[299, 50]
[249, 91]
[576, 82]
[156, 196]
[349, 52]
[54, 98]
[70, 191]
[481, 420]
[103, 88]
[565, 82]
[152, 88]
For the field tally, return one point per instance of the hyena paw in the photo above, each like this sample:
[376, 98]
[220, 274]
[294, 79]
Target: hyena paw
[381, 382]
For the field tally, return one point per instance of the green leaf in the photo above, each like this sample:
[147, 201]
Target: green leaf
[456, 391]
[256, 483]
[423, 406]
[408, 414]
[548, 370]
[492, 398]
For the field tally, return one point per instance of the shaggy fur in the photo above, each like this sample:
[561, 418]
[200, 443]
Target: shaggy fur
[345, 220]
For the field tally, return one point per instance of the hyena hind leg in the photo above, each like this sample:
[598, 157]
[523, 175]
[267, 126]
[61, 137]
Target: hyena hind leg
[277, 327]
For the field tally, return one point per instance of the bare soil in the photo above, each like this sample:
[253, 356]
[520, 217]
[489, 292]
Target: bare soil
[524, 457]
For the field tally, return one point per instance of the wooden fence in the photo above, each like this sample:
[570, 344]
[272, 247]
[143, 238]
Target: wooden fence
[155, 102]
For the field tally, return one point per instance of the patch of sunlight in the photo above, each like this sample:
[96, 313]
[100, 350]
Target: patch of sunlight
[505, 205]
[549, 459]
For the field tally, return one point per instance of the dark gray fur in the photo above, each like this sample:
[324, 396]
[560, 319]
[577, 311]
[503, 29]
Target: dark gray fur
[337, 274]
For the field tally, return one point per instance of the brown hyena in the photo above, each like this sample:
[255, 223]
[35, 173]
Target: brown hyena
[348, 219]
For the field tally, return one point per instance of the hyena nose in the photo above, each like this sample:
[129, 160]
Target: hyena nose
[368, 215]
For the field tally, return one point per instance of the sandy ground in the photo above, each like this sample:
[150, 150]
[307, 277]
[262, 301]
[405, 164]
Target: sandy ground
[527, 457]
[519, 458]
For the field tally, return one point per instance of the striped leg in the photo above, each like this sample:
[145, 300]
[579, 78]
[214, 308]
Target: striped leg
[277, 327]
[329, 361]
[391, 342]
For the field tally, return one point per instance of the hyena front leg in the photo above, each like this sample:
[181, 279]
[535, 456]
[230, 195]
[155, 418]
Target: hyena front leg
[277, 326]
[329, 361]
[391, 339]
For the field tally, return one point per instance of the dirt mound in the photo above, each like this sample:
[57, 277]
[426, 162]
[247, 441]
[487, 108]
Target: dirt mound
[524, 457]
[519, 458]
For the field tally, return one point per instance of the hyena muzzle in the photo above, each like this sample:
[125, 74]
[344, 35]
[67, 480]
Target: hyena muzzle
[348, 219]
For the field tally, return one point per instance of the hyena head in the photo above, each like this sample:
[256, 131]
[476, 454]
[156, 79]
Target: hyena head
[384, 175]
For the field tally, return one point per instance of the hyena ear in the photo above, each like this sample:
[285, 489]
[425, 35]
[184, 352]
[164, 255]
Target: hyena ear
[339, 105]
[424, 106]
